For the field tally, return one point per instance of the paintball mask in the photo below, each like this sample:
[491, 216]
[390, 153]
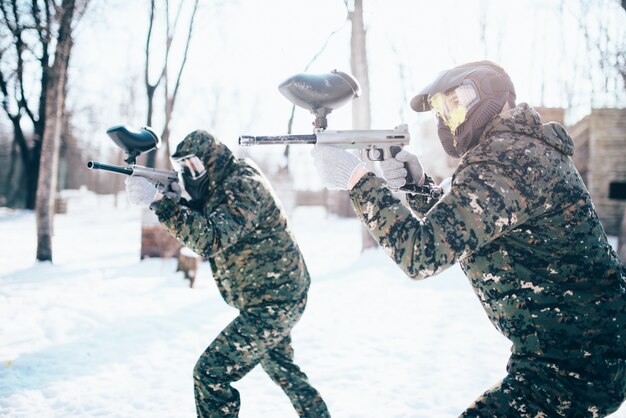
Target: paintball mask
[452, 106]
[190, 165]
[194, 175]
[465, 99]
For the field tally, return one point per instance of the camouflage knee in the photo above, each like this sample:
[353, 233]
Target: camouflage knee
[550, 388]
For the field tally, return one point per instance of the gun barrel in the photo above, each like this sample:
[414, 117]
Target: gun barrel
[94, 165]
[366, 138]
[155, 174]
[247, 140]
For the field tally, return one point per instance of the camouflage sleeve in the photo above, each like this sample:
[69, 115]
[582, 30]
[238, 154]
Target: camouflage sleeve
[210, 233]
[482, 204]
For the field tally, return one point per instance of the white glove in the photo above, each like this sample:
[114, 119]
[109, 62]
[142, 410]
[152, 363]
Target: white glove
[335, 166]
[395, 169]
[140, 191]
[173, 191]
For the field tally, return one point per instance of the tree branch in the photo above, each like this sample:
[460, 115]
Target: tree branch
[170, 34]
[5, 92]
[168, 45]
[146, 77]
[186, 53]
[18, 138]
[19, 49]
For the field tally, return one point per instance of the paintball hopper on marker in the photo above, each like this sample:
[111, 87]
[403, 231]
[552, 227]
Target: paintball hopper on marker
[135, 142]
[321, 94]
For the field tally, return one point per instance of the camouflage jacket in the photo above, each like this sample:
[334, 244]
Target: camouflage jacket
[240, 227]
[521, 223]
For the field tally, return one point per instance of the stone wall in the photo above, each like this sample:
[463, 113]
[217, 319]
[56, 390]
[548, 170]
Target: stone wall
[551, 114]
[580, 135]
[603, 134]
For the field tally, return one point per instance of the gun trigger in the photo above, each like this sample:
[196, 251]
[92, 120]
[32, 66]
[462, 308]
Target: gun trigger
[375, 154]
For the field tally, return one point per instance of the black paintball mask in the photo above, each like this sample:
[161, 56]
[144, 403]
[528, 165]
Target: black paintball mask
[465, 99]
[194, 174]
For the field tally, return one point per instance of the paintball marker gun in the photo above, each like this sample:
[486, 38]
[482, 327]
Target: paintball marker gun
[320, 94]
[135, 142]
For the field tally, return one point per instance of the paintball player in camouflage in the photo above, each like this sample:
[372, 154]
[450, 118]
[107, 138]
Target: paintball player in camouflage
[235, 220]
[520, 222]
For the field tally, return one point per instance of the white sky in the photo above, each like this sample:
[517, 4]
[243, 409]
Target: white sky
[243, 49]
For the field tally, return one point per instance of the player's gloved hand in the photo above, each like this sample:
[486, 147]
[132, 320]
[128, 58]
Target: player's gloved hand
[174, 191]
[397, 169]
[140, 191]
[336, 166]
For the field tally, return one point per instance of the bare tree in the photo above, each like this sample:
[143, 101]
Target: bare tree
[361, 114]
[156, 241]
[361, 108]
[606, 50]
[30, 30]
[19, 60]
[169, 93]
[27, 30]
[55, 106]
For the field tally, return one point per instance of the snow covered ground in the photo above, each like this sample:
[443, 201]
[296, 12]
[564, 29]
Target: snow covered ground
[101, 334]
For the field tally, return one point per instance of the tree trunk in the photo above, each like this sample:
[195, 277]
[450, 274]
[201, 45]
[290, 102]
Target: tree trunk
[55, 104]
[156, 241]
[151, 156]
[361, 118]
[30, 163]
[32, 177]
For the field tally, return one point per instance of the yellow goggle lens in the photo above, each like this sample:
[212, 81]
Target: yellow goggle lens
[452, 106]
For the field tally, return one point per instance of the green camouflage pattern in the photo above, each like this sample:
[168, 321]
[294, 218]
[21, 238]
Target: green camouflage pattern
[241, 228]
[259, 335]
[521, 223]
[537, 387]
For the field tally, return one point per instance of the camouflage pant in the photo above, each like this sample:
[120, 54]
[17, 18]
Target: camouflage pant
[258, 335]
[538, 388]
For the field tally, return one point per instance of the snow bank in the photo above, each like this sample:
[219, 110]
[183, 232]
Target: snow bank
[101, 334]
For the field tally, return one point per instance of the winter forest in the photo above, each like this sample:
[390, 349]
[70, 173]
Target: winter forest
[103, 314]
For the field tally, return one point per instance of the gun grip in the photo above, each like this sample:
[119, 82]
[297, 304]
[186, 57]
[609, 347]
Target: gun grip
[394, 150]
